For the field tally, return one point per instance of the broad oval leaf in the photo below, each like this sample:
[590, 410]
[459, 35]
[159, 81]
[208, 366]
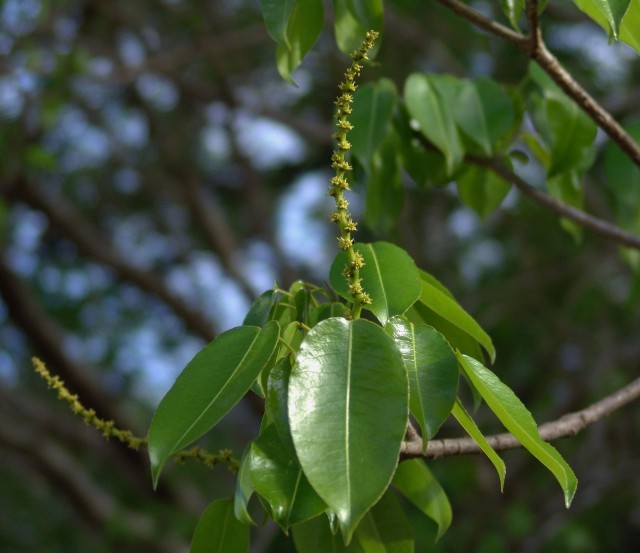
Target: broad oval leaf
[607, 13]
[276, 15]
[258, 313]
[276, 404]
[433, 373]
[389, 276]
[384, 199]
[431, 111]
[482, 190]
[416, 482]
[518, 420]
[352, 19]
[219, 531]
[465, 420]
[449, 309]
[209, 386]
[348, 412]
[278, 478]
[303, 28]
[373, 105]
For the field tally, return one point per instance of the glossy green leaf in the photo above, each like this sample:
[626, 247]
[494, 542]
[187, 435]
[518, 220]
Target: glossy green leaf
[384, 199]
[418, 484]
[385, 528]
[434, 117]
[513, 9]
[465, 420]
[219, 531]
[482, 190]
[276, 15]
[607, 13]
[278, 478]
[304, 27]
[276, 404]
[630, 28]
[432, 369]
[258, 314]
[518, 420]
[244, 489]
[450, 310]
[352, 19]
[373, 105]
[348, 406]
[209, 386]
[328, 310]
[389, 276]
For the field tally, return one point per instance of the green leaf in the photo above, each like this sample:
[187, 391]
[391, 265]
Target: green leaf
[218, 531]
[352, 19]
[385, 528]
[259, 311]
[482, 109]
[416, 482]
[482, 190]
[567, 187]
[389, 276]
[434, 117]
[348, 411]
[276, 15]
[244, 489]
[607, 13]
[425, 166]
[209, 386]
[513, 9]
[465, 420]
[278, 479]
[303, 29]
[518, 420]
[630, 28]
[567, 130]
[450, 310]
[373, 105]
[384, 198]
[433, 373]
[276, 404]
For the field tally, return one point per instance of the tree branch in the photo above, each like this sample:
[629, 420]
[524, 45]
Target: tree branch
[537, 50]
[489, 25]
[87, 238]
[589, 222]
[567, 425]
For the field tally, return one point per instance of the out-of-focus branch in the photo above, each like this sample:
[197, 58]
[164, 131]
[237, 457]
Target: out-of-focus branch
[89, 240]
[92, 502]
[48, 338]
[567, 425]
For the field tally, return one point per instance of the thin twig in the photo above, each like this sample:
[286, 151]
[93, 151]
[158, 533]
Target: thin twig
[479, 20]
[547, 61]
[535, 33]
[537, 50]
[589, 222]
[567, 425]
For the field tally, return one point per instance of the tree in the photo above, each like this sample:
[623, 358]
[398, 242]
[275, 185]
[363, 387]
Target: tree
[482, 134]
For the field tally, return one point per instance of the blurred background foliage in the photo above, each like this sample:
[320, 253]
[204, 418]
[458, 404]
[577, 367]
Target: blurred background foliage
[157, 174]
